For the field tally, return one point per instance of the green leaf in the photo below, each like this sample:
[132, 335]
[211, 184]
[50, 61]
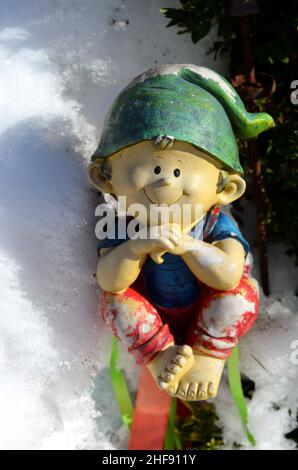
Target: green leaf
[172, 438]
[200, 33]
[120, 388]
[173, 22]
[237, 392]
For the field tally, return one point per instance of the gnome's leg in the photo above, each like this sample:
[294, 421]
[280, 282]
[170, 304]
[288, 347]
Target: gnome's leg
[223, 317]
[136, 323]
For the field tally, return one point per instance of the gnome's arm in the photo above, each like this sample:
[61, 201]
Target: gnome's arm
[119, 267]
[219, 265]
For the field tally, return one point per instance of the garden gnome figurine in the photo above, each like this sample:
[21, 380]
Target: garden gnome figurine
[178, 294]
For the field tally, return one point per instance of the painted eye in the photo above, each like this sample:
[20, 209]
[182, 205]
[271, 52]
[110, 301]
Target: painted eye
[176, 172]
[157, 170]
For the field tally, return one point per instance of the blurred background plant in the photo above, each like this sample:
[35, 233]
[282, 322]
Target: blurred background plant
[200, 429]
[273, 34]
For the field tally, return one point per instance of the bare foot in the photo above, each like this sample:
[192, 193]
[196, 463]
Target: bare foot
[170, 365]
[201, 381]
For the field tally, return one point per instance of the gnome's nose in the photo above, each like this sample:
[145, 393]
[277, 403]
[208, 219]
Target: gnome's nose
[166, 181]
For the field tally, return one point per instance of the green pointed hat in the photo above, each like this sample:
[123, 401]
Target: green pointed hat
[190, 103]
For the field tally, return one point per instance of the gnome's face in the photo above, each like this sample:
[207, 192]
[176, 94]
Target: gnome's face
[178, 176]
[200, 110]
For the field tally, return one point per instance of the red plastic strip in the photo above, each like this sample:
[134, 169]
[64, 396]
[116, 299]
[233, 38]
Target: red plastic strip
[150, 416]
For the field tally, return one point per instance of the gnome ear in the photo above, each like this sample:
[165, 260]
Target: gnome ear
[97, 179]
[232, 191]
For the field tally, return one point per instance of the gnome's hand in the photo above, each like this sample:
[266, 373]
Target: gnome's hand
[157, 239]
[185, 244]
[173, 233]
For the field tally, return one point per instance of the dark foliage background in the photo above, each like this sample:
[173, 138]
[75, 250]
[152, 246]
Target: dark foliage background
[274, 36]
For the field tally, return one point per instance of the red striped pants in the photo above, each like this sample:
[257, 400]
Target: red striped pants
[211, 325]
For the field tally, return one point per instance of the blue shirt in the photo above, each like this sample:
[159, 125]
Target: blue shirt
[172, 284]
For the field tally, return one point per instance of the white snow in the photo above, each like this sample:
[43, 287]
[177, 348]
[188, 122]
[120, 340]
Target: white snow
[225, 311]
[61, 65]
[268, 356]
[208, 256]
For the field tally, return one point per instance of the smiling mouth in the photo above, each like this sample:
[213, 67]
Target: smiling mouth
[162, 203]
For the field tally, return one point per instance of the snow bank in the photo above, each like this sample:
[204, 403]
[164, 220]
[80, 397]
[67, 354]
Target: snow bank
[61, 64]
[269, 357]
